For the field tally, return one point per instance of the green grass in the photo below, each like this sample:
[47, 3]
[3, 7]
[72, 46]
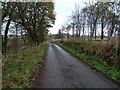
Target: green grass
[20, 68]
[94, 61]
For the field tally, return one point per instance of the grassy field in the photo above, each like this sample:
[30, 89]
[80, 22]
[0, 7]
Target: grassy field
[92, 60]
[19, 69]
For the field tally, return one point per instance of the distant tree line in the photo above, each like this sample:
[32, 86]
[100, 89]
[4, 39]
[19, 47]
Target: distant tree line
[30, 18]
[95, 19]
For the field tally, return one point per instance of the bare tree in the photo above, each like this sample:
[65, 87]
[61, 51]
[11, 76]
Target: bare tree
[117, 56]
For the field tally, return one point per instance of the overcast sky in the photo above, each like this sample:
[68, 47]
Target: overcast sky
[63, 9]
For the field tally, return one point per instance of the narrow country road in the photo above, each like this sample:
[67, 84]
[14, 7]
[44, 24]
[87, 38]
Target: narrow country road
[63, 70]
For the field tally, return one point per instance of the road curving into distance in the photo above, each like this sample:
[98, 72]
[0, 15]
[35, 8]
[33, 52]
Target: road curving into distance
[63, 70]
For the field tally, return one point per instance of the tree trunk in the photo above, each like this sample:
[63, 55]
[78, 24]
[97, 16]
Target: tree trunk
[79, 32]
[83, 32]
[102, 28]
[117, 56]
[91, 32]
[67, 35]
[95, 27]
[73, 31]
[95, 33]
[6, 37]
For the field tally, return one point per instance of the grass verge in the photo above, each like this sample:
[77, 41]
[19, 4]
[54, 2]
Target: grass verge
[95, 62]
[19, 69]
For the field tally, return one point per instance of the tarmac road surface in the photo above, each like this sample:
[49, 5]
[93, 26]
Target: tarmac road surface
[63, 70]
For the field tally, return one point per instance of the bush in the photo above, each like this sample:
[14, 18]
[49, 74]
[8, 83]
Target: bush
[103, 50]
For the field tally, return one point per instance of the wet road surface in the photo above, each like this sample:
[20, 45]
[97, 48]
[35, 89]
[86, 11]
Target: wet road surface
[63, 70]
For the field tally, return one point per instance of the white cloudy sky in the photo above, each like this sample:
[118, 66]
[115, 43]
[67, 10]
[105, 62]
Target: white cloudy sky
[63, 9]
